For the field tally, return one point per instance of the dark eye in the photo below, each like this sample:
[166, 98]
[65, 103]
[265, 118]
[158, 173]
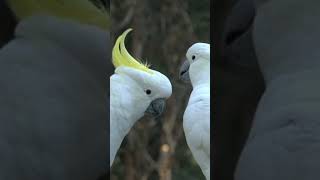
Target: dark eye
[148, 91]
[193, 57]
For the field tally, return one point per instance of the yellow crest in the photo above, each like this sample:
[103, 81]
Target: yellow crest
[121, 57]
[82, 11]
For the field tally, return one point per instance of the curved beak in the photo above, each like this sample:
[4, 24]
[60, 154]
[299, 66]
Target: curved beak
[184, 71]
[156, 107]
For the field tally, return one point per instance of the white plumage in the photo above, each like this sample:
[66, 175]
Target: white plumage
[196, 118]
[133, 92]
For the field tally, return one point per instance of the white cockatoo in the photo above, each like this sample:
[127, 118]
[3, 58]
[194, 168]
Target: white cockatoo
[52, 85]
[196, 118]
[134, 90]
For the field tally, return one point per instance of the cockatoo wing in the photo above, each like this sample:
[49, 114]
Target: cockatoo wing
[197, 128]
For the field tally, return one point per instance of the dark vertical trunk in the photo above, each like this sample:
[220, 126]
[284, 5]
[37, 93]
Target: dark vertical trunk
[237, 83]
[7, 23]
[129, 173]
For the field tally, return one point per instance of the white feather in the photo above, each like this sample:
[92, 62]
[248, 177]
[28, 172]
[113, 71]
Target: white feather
[196, 119]
[128, 100]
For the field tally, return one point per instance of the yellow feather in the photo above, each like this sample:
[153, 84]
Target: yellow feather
[121, 57]
[82, 11]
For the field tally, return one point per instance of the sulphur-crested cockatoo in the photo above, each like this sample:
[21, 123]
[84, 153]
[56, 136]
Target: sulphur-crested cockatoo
[135, 90]
[52, 85]
[196, 118]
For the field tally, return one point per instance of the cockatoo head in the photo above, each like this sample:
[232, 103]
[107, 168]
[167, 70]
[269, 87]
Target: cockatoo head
[198, 56]
[150, 86]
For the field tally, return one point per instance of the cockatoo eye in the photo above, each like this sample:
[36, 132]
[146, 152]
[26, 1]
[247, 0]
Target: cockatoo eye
[193, 57]
[148, 91]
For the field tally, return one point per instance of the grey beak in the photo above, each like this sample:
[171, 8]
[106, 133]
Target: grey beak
[184, 71]
[156, 107]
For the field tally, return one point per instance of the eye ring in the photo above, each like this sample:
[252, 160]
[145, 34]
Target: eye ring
[193, 57]
[148, 91]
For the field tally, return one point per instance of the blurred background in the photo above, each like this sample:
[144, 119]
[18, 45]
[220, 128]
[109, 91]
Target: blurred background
[162, 32]
[238, 83]
[7, 25]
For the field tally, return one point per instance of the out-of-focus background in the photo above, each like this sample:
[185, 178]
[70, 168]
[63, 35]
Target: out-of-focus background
[237, 83]
[162, 33]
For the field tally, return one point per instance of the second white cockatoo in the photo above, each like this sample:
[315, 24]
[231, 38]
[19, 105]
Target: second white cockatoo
[196, 118]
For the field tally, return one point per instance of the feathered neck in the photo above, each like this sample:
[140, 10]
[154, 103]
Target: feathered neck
[200, 73]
